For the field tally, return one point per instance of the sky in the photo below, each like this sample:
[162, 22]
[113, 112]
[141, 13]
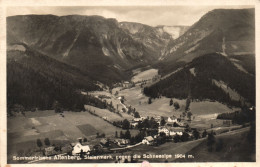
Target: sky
[150, 15]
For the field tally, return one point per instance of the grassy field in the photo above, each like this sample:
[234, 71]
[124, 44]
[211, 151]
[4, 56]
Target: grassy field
[115, 101]
[138, 100]
[24, 131]
[104, 113]
[202, 110]
[145, 75]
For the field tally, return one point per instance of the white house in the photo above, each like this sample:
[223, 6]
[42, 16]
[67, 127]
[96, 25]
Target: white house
[138, 119]
[176, 131]
[134, 124]
[127, 84]
[164, 130]
[78, 147]
[121, 142]
[172, 119]
[148, 140]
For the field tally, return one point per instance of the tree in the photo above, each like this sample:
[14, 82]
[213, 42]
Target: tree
[121, 135]
[125, 124]
[171, 102]
[103, 135]
[196, 134]
[163, 122]
[97, 135]
[127, 134]
[176, 138]
[185, 136]
[47, 141]
[39, 143]
[136, 115]
[187, 107]
[18, 108]
[116, 134]
[189, 114]
[150, 100]
[183, 114]
[176, 105]
[81, 154]
[205, 133]
[57, 107]
[85, 139]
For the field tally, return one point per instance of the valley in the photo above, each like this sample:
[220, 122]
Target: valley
[96, 89]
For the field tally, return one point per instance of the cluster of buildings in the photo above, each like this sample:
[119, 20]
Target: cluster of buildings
[173, 126]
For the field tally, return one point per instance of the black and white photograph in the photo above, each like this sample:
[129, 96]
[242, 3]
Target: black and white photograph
[130, 84]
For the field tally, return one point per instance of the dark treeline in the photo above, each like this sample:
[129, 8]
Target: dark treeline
[208, 67]
[239, 117]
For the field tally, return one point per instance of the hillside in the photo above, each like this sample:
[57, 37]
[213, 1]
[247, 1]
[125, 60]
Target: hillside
[154, 38]
[196, 80]
[100, 47]
[234, 147]
[36, 80]
[228, 31]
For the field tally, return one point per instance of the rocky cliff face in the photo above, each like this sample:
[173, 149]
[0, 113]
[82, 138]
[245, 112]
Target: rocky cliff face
[87, 42]
[225, 31]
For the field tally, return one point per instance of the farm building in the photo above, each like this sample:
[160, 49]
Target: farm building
[134, 124]
[78, 148]
[176, 131]
[148, 140]
[172, 119]
[127, 84]
[104, 142]
[121, 142]
[164, 130]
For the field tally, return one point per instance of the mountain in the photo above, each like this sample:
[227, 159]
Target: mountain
[214, 59]
[100, 47]
[36, 80]
[227, 31]
[152, 37]
[211, 76]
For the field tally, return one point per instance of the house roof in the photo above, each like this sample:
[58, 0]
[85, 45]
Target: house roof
[172, 117]
[103, 141]
[149, 138]
[78, 147]
[177, 129]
